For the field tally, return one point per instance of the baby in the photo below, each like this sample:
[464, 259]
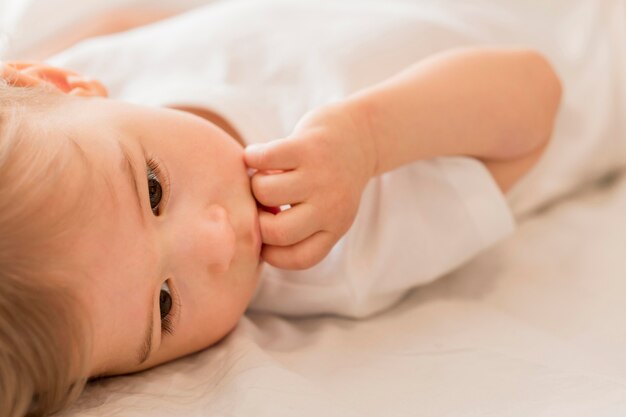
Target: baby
[104, 199]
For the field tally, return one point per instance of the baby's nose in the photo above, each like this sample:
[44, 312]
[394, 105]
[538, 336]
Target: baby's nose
[217, 239]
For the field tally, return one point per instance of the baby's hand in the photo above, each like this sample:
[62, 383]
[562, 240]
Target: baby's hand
[320, 170]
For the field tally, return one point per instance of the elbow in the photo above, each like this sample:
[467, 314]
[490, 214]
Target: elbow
[530, 118]
[544, 100]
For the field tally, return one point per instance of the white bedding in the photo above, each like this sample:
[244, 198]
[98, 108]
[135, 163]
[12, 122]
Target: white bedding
[532, 327]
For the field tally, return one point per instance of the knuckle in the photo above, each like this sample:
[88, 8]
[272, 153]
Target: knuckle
[324, 146]
[305, 144]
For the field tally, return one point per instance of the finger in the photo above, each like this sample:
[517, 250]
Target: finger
[289, 226]
[280, 154]
[303, 255]
[275, 190]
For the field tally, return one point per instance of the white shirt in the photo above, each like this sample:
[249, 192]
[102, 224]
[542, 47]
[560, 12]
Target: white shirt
[263, 64]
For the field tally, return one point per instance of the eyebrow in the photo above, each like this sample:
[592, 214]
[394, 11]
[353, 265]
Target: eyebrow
[128, 167]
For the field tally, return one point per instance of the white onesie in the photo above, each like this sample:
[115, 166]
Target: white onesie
[263, 64]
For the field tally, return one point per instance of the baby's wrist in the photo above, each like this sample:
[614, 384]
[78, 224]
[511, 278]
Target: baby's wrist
[365, 138]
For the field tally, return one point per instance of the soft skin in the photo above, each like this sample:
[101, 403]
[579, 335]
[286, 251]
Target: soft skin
[204, 242]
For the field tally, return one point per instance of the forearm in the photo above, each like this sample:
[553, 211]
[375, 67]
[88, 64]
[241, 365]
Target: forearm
[492, 104]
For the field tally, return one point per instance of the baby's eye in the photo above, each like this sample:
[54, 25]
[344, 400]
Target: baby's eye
[155, 192]
[168, 311]
[165, 300]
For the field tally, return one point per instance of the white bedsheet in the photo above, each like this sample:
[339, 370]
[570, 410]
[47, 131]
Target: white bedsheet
[532, 327]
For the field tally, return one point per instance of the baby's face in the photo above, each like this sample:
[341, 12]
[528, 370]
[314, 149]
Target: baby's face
[175, 232]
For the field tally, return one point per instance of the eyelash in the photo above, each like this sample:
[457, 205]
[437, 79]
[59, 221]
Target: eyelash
[161, 175]
[167, 322]
[166, 325]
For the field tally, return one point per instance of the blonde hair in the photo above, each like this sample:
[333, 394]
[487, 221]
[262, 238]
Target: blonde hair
[44, 337]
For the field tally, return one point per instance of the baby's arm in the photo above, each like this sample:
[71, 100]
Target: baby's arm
[492, 104]
[497, 105]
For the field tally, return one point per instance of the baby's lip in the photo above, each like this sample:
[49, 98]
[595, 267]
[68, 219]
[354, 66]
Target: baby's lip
[273, 210]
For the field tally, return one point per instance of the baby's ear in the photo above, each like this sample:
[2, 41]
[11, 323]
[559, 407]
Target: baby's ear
[28, 74]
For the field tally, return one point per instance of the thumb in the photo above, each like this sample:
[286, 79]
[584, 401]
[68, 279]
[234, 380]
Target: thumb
[255, 155]
[280, 154]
